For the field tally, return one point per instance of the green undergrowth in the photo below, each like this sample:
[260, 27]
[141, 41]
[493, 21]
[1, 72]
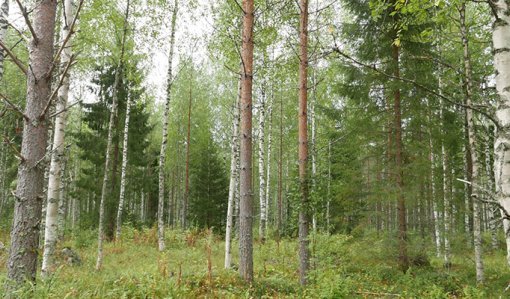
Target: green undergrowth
[192, 267]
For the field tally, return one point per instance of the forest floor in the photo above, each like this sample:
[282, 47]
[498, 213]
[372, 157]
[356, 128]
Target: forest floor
[192, 267]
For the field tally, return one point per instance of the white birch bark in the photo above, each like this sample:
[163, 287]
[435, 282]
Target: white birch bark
[446, 199]
[234, 175]
[501, 44]
[472, 146]
[122, 196]
[268, 167]
[262, 181]
[164, 139]
[490, 186]
[435, 212]
[55, 185]
[313, 129]
[113, 112]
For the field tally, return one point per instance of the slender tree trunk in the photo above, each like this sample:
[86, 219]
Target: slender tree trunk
[313, 128]
[233, 187]
[328, 198]
[246, 189]
[303, 144]
[501, 44]
[490, 186]
[22, 263]
[62, 199]
[401, 204]
[123, 170]
[262, 181]
[4, 14]
[435, 212]
[468, 87]
[446, 199]
[113, 112]
[186, 183]
[268, 163]
[164, 139]
[280, 176]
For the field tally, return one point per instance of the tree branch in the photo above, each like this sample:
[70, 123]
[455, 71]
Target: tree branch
[14, 58]
[66, 39]
[490, 194]
[416, 84]
[55, 91]
[13, 106]
[14, 149]
[27, 20]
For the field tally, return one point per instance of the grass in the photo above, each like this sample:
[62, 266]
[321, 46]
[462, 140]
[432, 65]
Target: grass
[343, 267]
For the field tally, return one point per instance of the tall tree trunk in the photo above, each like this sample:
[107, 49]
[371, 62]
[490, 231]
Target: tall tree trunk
[313, 128]
[164, 139]
[188, 141]
[490, 186]
[268, 163]
[401, 204]
[328, 194]
[501, 44]
[433, 189]
[446, 199]
[246, 189]
[234, 183]
[280, 176]
[22, 263]
[123, 169]
[303, 144]
[4, 14]
[113, 112]
[468, 88]
[262, 181]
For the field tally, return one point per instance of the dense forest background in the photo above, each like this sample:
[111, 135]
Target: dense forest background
[397, 189]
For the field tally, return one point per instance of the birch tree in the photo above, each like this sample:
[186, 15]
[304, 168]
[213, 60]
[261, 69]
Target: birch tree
[234, 180]
[55, 186]
[501, 50]
[262, 181]
[123, 170]
[468, 89]
[113, 112]
[164, 140]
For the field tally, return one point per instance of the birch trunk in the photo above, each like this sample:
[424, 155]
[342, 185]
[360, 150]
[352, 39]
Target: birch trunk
[262, 182]
[62, 201]
[123, 170]
[435, 212]
[468, 88]
[164, 139]
[280, 176]
[490, 186]
[268, 163]
[188, 141]
[22, 263]
[501, 44]
[446, 200]
[303, 144]
[314, 154]
[246, 189]
[232, 190]
[113, 112]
